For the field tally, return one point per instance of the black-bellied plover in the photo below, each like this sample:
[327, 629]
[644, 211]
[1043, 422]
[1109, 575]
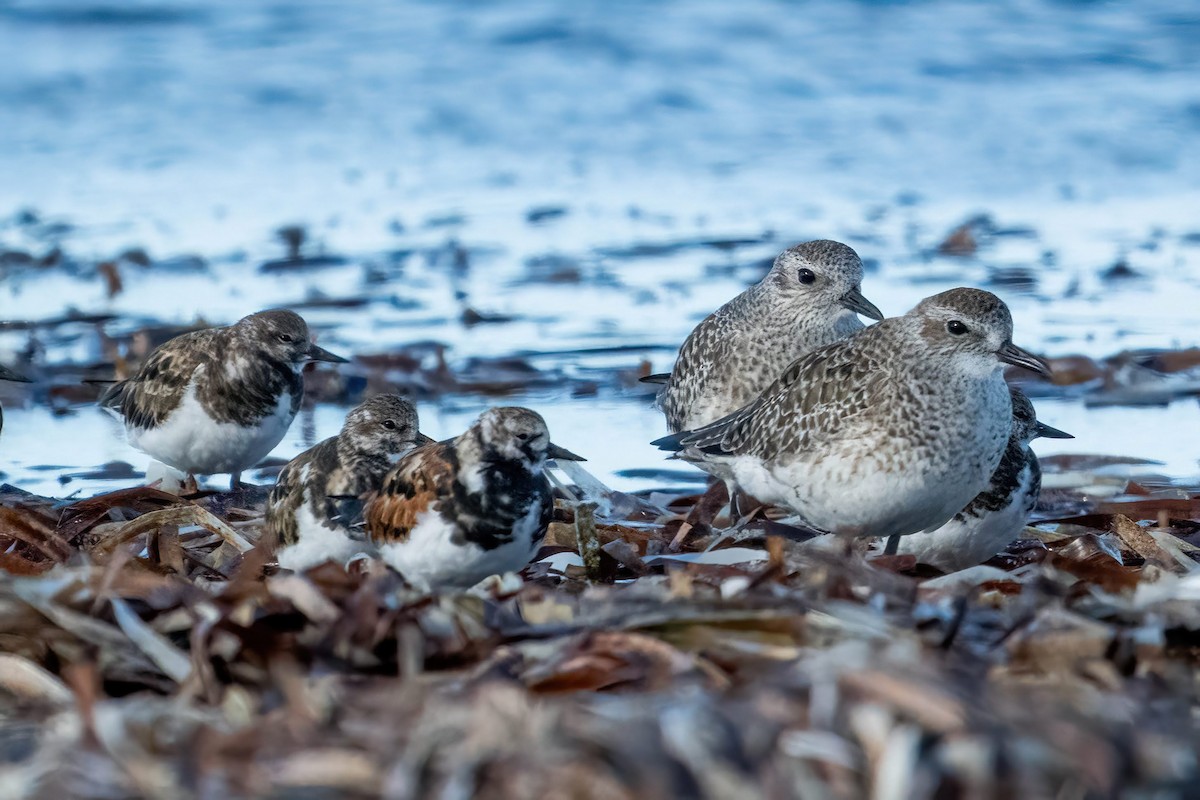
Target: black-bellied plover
[811, 297]
[998, 513]
[218, 400]
[315, 509]
[887, 433]
[456, 512]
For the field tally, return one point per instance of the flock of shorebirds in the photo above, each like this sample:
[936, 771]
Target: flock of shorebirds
[904, 430]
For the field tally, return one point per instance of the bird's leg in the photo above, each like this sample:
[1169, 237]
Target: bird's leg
[892, 546]
[848, 534]
[235, 481]
[743, 506]
[736, 503]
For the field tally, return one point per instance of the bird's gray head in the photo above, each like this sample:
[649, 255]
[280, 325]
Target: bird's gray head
[519, 435]
[1025, 425]
[822, 274]
[975, 328]
[385, 425]
[283, 335]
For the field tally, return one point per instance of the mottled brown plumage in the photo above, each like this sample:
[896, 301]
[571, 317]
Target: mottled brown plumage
[412, 489]
[218, 400]
[324, 487]
[454, 512]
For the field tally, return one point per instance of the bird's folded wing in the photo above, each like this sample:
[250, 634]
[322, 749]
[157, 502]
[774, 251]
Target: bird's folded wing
[148, 398]
[705, 353]
[282, 503]
[409, 490]
[818, 397]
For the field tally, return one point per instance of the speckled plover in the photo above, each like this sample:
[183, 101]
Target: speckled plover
[890, 432]
[811, 297]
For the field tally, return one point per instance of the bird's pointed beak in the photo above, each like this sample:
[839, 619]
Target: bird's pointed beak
[1044, 431]
[855, 301]
[423, 440]
[562, 454]
[1018, 357]
[7, 374]
[321, 354]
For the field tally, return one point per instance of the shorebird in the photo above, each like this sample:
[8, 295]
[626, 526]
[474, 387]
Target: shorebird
[998, 513]
[455, 512]
[811, 297]
[887, 433]
[218, 400]
[315, 508]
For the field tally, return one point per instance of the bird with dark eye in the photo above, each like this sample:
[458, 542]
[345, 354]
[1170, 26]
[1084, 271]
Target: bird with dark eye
[286, 338]
[390, 424]
[956, 328]
[806, 276]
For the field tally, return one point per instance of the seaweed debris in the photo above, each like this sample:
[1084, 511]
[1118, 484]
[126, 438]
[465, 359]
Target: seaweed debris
[149, 648]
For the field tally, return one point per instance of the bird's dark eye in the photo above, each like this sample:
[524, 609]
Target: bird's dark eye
[523, 436]
[806, 276]
[286, 338]
[956, 328]
[390, 424]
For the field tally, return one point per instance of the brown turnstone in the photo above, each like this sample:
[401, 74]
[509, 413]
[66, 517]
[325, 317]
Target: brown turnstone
[315, 509]
[811, 297]
[218, 400]
[997, 514]
[887, 433]
[455, 512]
[7, 374]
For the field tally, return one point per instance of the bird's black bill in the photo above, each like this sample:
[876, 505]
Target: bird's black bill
[1011, 354]
[660, 379]
[1044, 431]
[423, 440]
[855, 301]
[672, 443]
[321, 354]
[7, 374]
[562, 454]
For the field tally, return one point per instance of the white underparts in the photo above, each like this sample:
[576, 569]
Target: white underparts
[192, 441]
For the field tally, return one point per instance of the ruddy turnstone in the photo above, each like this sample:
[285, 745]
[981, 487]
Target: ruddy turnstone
[811, 297]
[7, 374]
[315, 508]
[218, 400]
[997, 514]
[455, 512]
[887, 433]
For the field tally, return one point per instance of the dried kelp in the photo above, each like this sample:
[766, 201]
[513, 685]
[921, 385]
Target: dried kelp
[149, 648]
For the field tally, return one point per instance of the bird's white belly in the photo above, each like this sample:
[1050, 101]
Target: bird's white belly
[431, 558]
[851, 492]
[317, 543]
[967, 540]
[192, 441]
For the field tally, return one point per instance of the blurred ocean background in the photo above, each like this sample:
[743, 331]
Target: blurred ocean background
[574, 185]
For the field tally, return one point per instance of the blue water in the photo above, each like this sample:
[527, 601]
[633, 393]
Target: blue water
[615, 137]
